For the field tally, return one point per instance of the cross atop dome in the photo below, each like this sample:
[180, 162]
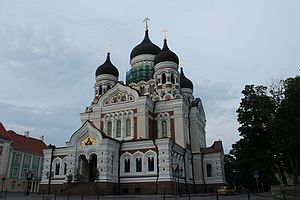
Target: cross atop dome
[146, 23]
[109, 47]
[165, 31]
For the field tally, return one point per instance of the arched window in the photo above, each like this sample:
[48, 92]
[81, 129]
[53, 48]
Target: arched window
[100, 89]
[163, 78]
[151, 89]
[108, 87]
[172, 78]
[142, 89]
[57, 166]
[109, 129]
[138, 164]
[128, 127]
[150, 164]
[209, 170]
[127, 165]
[164, 128]
[118, 128]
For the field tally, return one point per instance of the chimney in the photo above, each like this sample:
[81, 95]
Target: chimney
[26, 134]
[42, 138]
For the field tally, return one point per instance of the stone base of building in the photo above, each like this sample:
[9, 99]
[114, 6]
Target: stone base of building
[127, 188]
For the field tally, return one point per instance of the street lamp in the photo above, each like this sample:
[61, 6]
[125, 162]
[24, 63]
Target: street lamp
[3, 179]
[52, 147]
[28, 178]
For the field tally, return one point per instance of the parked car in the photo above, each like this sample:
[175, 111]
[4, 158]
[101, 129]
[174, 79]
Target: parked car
[224, 190]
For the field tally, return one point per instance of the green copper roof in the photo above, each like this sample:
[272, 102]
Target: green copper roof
[140, 73]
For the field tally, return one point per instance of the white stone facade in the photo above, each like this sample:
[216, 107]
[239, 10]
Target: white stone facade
[152, 131]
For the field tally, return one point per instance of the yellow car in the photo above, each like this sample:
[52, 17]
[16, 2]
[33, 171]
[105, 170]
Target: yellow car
[225, 190]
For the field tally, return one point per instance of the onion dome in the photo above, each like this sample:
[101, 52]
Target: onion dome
[107, 68]
[145, 47]
[166, 55]
[184, 81]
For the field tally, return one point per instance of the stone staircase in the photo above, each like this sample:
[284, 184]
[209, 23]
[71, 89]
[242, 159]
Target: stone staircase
[85, 188]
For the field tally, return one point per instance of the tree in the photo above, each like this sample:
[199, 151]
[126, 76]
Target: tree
[229, 165]
[286, 127]
[254, 150]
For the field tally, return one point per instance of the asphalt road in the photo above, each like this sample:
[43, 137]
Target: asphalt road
[19, 196]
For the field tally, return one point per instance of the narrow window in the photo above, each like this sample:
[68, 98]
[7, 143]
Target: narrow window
[163, 77]
[119, 128]
[109, 128]
[209, 170]
[65, 169]
[127, 165]
[172, 78]
[57, 165]
[100, 89]
[138, 164]
[151, 89]
[142, 89]
[164, 128]
[128, 127]
[108, 87]
[150, 164]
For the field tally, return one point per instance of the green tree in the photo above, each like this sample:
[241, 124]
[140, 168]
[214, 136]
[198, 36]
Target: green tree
[286, 128]
[254, 150]
[229, 165]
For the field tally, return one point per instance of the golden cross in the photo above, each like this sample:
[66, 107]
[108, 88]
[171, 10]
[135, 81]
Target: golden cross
[146, 23]
[165, 31]
[109, 47]
[181, 62]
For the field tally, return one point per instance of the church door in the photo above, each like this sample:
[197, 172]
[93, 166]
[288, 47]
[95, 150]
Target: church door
[93, 172]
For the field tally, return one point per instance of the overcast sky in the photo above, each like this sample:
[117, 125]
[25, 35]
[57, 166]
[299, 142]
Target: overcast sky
[49, 51]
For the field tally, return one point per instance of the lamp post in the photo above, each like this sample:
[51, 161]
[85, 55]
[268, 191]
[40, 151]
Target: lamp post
[3, 179]
[28, 178]
[52, 147]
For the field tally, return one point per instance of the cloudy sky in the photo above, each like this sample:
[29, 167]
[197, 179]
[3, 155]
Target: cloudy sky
[49, 51]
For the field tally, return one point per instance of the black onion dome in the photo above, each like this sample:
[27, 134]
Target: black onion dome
[107, 68]
[184, 81]
[145, 47]
[166, 55]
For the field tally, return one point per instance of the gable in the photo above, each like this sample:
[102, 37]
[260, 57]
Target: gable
[119, 94]
[87, 134]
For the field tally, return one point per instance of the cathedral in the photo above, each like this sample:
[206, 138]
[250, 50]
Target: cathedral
[143, 137]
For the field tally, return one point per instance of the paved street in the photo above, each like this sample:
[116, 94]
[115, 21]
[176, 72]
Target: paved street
[264, 196]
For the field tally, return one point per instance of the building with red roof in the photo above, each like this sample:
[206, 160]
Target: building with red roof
[20, 156]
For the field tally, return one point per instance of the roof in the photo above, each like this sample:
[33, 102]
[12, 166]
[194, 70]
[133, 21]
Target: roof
[215, 148]
[107, 68]
[145, 47]
[184, 81]
[166, 55]
[22, 143]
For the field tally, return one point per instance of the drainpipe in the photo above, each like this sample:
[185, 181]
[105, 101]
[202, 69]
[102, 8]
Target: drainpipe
[184, 163]
[172, 161]
[52, 147]
[189, 119]
[157, 167]
[119, 168]
[203, 179]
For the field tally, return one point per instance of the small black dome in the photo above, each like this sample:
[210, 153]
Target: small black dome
[166, 55]
[145, 47]
[184, 81]
[107, 68]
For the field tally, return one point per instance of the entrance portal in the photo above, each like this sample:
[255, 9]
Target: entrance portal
[93, 172]
[88, 168]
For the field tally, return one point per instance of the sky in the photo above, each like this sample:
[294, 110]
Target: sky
[49, 51]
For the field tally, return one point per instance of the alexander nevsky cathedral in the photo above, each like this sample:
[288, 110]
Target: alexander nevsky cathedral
[143, 137]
